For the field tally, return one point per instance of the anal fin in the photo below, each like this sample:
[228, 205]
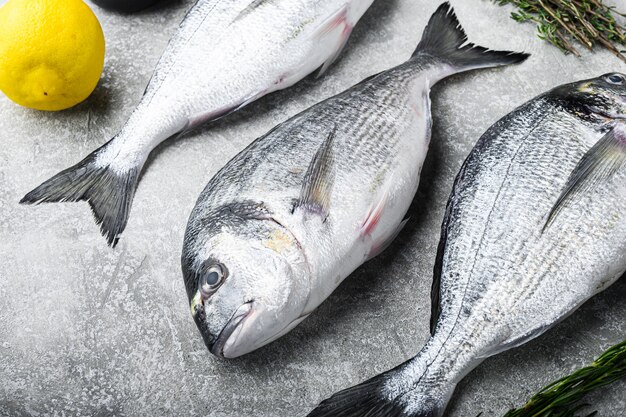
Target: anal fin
[202, 118]
[380, 247]
[334, 21]
[337, 20]
[517, 340]
[330, 61]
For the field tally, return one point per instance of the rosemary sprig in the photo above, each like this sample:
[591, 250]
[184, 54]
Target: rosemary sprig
[561, 398]
[590, 22]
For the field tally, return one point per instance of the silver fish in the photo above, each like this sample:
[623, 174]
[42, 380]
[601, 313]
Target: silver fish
[226, 54]
[285, 221]
[535, 226]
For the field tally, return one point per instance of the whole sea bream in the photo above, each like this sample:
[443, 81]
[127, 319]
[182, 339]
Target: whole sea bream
[535, 226]
[226, 54]
[284, 222]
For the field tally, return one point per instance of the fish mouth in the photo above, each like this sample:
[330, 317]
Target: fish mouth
[609, 115]
[220, 345]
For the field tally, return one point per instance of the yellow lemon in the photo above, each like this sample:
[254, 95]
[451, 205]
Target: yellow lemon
[51, 52]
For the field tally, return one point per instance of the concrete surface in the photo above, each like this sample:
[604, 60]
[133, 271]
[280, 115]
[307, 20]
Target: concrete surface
[86, 330]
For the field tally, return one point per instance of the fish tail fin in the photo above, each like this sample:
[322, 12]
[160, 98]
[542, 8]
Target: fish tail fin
[445, 39]
[108, 188]
[367, 398]
[395, 393]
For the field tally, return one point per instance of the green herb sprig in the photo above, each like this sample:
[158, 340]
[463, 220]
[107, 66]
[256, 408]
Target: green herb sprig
[561, 398]
[560, 22]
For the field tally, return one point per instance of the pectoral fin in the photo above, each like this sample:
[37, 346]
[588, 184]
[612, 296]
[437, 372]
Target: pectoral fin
[251, 8]
[318, 180]
[599, 164]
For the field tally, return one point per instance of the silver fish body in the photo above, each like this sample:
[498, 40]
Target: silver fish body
[229, 53]
[226, 54]
[291, 216]
[532, 230]
[322, 248]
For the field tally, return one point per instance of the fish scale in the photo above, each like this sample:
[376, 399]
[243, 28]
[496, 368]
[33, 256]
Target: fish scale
[335, 183]
[365, 148]
[542, 253]
[534, 227]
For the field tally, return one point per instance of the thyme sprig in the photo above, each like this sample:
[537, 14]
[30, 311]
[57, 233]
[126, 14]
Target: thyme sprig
[562, 398]
[560, 22]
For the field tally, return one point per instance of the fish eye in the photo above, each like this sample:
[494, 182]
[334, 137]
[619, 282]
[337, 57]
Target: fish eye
[212, 278]
[616, 79]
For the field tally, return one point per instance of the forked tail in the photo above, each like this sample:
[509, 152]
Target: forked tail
[445, 39]
[108, 188]
[410, 390]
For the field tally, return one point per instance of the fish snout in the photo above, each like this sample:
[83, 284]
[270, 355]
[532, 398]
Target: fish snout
[199, 316]
[224, 345]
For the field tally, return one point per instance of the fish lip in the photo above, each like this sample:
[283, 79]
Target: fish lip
[618, 117]
[238, 317]
[606, 115]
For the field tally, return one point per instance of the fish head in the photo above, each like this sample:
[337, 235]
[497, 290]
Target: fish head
[603, 97]
[248, 283]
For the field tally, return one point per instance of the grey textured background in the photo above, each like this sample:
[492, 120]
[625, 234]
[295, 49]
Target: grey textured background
[86, 330]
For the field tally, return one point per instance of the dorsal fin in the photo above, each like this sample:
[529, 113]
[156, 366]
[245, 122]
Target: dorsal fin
[600, 163]
[435, 290]
[318, 180]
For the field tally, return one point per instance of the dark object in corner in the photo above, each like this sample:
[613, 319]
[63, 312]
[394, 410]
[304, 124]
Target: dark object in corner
[126, 6]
